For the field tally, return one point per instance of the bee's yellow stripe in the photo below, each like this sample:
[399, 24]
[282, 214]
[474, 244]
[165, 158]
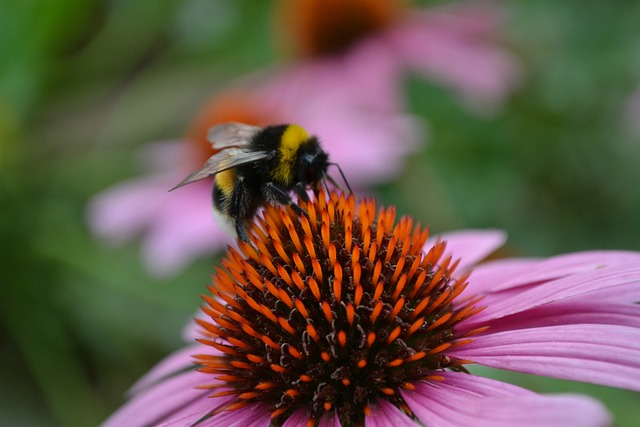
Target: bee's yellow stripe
[292, 138]
[225, 181]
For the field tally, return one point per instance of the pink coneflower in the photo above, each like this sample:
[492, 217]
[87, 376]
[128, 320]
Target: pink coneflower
[177, 227]
[371, 44]
[349, 317]
[345, 87]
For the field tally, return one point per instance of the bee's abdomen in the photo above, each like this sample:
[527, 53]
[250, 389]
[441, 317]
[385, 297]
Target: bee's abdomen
[225, 181]
[223, 188]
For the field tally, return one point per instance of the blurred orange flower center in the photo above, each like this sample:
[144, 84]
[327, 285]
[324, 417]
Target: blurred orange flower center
[325, 27]
[234, 106]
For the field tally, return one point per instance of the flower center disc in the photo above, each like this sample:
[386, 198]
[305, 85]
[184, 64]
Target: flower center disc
[325, 27]
[230, 106]
[331, 312]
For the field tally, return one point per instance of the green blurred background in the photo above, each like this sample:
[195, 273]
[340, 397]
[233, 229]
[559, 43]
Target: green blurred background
[83, 83]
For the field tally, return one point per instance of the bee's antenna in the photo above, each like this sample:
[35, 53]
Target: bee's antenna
[324, 183]
[333, 181]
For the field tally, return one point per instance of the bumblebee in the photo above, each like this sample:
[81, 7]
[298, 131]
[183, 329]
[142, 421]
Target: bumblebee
[257, 165]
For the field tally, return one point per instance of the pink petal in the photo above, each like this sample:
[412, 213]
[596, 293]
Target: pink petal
[441, 44]
[376, 74]
[168, 398]
[479, 385]
[583, 311]
[253, 415]
[467, 19]
[470, 246]
[182, 229]
[565, 265]
[577, 285]
[298, 418]
[490, 275]
[301, 416]
[384, 414]
[191, 414]
[125, 209]
[600, 354]
[367, 73]
[191, 330]
[456, 401]
[329, 421]
[179, 226]
[624, 293]
[176, 362]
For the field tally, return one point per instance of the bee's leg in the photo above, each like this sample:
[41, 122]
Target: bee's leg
[301, 192]
[277, 195]
[241, 230]
[238, 207]
[298, 209]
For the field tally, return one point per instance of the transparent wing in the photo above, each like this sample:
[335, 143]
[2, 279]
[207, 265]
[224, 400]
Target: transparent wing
[231, 134]
[221, 161]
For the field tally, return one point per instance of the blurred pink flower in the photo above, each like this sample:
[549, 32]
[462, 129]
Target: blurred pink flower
[346, 90]
[455, 45]
[573, 317]
[177, 227]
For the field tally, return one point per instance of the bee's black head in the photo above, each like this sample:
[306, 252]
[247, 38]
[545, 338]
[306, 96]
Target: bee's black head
[313, 162]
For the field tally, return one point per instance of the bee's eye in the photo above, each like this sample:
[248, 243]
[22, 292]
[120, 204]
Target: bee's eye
[312, 164]
[308, 158]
